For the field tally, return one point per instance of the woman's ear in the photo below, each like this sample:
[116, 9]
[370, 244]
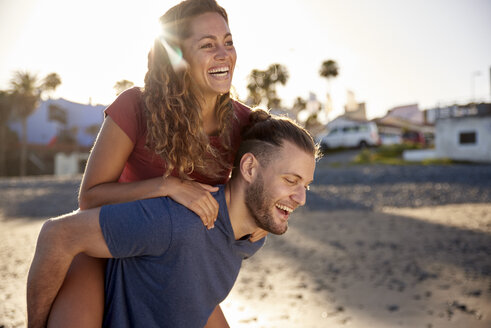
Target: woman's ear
[248, 167]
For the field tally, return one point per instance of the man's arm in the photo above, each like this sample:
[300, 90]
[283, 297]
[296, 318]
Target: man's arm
[59, 241]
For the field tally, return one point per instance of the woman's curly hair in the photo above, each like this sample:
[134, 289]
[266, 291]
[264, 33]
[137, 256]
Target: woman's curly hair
[171, 99]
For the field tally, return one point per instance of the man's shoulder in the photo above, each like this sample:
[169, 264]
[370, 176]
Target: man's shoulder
[182, 218]
[189, 223]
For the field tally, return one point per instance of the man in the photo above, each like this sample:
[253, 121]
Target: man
[166, 268]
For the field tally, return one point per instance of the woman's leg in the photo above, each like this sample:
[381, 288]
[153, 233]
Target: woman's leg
[80, 301]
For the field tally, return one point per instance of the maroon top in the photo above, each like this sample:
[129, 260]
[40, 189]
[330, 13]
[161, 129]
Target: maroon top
[128, 113]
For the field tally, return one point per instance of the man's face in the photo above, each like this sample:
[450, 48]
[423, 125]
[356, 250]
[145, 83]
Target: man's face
[280, 188]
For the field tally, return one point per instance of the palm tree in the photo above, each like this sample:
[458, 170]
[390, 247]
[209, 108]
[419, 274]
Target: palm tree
[26, 93]
[93, 130]
[51, 82]
[5, 113]
[122, 85]
[277, 73]
[262, 84]
[255, 86]
[299, 104]
[329, 69]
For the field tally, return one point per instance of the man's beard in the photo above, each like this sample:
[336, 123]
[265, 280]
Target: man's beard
[261, 207]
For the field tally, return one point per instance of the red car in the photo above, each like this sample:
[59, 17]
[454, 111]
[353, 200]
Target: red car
[414, 137]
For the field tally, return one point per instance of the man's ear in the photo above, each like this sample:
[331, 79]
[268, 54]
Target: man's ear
[248, 167]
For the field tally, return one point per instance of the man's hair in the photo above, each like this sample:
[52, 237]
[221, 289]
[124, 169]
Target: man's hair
[267, 133]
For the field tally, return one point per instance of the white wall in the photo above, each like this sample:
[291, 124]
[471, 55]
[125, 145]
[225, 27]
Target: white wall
[68, 164]
[447, 138]
[40, 130]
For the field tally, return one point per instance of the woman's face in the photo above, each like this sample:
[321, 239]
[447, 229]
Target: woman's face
[210, 53]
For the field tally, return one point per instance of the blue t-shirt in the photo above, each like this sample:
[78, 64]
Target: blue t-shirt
[168, 269]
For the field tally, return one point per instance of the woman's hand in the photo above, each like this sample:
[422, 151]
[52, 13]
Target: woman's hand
[257, 235]
[195, 196]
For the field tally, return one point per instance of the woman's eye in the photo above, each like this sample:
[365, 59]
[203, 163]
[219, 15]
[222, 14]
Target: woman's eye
[229, 43]
[207, 45]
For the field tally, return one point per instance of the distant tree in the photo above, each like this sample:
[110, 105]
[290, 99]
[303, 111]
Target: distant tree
[312, 122]
[5, 114]
[93, 130]
[26, 93]
[329, 69]
[51, 82]
[68, 136]
[262, 84]
[299, 104]
[255, 86]
[58, 114]
[122, 85]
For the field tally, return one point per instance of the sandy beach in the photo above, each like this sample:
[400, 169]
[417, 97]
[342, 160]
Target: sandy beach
[380, 266]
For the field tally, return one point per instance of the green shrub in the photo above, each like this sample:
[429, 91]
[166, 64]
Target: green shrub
[392, 155]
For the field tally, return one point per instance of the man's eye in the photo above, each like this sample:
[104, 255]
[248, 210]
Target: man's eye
[289, 181]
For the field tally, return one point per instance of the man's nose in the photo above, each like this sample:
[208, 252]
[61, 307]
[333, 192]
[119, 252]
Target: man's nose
[300, 195]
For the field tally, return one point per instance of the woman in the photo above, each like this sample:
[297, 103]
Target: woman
[181, 126]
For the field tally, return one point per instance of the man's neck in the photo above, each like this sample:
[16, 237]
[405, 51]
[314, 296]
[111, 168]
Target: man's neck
[240, 218]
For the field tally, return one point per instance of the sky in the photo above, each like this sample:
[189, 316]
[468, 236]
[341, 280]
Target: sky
[390, 52]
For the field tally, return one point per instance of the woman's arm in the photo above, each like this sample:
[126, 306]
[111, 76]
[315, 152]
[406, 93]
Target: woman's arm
[100, 184]
[106, 162]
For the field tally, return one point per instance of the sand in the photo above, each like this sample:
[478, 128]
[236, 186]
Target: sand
[390, 267]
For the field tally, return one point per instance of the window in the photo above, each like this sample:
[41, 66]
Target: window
[334, 131]
[466, 138]
[350, 129]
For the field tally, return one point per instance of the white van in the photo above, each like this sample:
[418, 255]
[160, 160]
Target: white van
[360, 135]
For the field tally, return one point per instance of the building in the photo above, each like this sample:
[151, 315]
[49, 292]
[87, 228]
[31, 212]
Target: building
[472, 109]
[462, 133]
[354, 110]
[59, 136]
[407, 113]
[465, 134]
[404, 119]
[55, 116]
